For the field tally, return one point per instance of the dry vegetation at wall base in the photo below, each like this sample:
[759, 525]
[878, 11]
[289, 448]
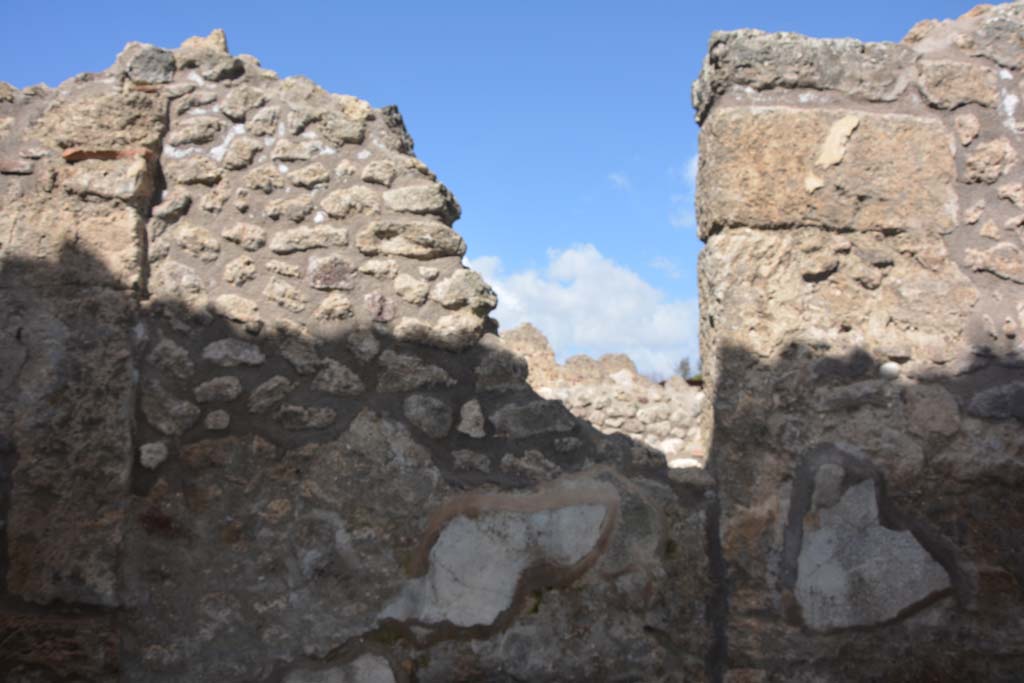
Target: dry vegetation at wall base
[257, 425]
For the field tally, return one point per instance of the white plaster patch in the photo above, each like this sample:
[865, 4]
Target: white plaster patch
[852, 571]
[178, 153]
[282, 168]
[363, 154]
[834, 148]
[1010, 102]
[218, 152]
[196, 78]
[477, 562]
[319, 217]
[1005, 74]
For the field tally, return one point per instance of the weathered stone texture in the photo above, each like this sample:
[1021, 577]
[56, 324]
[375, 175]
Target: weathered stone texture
[861, 350]
[242, 363]
[256, 424]
[785, 167]
[611, 395]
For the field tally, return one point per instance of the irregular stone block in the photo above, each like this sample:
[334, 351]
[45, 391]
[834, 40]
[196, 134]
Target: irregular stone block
[414, 239]
[465, 288]
[240, 270]
[126, 179]
[988, 161]
[246, 235]
[218, 389]
[424, 199]
[429, 414]
[334, 307]
[269, 394]
[195, 130]
[296, 209]
[240, 101]
[337, 379]
[297, 418]
[148, 64]
[98, 119]
[381, 172]
[230, 353]
[351, 201]
[531, 419]
[193, 170]
[305, 238]
[1004, 260]
[168, 414]
[878, 72]
[403, 372]
[948, 84]
[1000, 402]
[330, 272]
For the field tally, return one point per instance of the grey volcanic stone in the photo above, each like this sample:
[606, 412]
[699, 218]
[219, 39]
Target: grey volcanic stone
[999, 402]
[151, 65]
[269, 393]
[536, 417]
[229, 353]
[430, 414]
[218, 389]
[878, 72]
[340, 380]
[167, 413]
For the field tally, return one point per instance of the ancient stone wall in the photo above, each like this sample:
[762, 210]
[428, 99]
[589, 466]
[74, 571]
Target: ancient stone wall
[611, 395]
[862, 207]
[255, 424]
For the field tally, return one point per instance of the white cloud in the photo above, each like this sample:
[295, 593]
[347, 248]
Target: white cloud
[690, 172]
[620, 181]
[667, 266]
[682, 215]
[587, 303]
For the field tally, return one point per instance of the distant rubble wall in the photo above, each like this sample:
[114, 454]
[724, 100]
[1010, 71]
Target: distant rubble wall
[862, 207]
[610, 394]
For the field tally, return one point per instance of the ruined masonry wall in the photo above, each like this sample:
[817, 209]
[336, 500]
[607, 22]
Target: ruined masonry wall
[861, 285]
[255, 424]
[610, 394]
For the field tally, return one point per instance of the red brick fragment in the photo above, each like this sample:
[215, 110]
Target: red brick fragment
[78, 154]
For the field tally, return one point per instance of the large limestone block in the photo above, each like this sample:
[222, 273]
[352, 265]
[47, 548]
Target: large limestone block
[70, 242]
[98, 119]
[778, 167]
[767, 288]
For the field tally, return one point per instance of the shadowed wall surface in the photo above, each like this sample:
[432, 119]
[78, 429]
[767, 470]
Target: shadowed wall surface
[256, 424]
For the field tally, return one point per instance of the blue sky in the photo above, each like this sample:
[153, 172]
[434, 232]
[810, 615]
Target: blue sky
[564, 128]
